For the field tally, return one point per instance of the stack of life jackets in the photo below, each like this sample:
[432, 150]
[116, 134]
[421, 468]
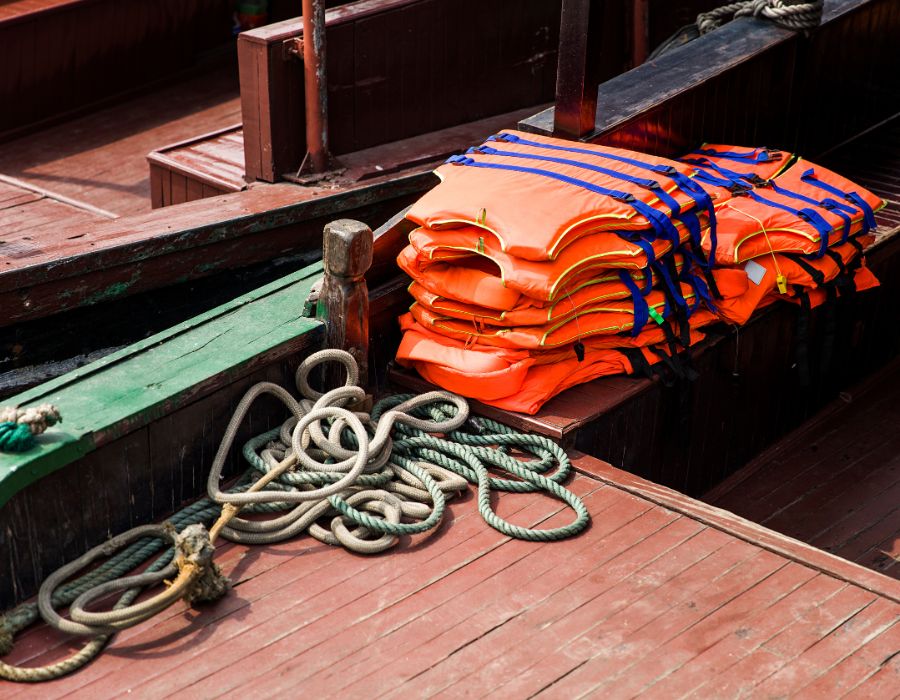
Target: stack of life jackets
[539, 264]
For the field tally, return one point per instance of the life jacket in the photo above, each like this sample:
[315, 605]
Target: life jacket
[543, 280]
[607, 286]
[533, 196]
[518, 380]
[744, 288]
[804, 209]
[605, 318]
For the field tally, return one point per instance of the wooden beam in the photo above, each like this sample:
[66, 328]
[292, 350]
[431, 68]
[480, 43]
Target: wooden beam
[578, 70]
[149, 380]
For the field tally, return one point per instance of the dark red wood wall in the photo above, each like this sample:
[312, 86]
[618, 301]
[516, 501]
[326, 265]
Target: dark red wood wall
[62, 55]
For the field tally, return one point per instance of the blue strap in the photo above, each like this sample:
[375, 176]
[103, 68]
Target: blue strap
[809, 176]
[701, 289]
[659, 221]
[687, 185]
[806, 214]
[649, 252]
[668, 229]
[842, 210]
[641, 309]
[745, 182]
[762, 155]
[639, 181]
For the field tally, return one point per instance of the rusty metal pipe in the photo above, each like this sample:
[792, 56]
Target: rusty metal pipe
[316, 85]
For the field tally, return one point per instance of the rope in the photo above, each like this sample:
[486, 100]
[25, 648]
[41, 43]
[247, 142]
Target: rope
[18, 426]
[371, 477]
[798, 16]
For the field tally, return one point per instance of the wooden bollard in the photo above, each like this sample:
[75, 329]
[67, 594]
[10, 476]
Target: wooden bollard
[344, 299]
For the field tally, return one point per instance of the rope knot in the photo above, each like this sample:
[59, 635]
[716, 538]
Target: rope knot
[196, 551]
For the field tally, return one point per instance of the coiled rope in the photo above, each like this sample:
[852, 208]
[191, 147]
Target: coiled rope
[375, 476]
[798, 16]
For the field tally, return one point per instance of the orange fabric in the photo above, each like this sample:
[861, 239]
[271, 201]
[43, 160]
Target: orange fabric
[519, 381]
[748, 229]
[606, 286]
[539, 280]
[741, 297]
[607, 318]
[533, 217]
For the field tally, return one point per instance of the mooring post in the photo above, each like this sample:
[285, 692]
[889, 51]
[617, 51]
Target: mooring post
[344, 299]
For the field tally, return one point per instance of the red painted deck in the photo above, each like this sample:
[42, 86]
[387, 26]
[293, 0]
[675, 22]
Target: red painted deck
[662, 595]
[100, 158]
[835, 481]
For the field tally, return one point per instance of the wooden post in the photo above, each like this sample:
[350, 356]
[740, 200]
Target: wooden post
[316, 85]
[344, 300]
[578, 69]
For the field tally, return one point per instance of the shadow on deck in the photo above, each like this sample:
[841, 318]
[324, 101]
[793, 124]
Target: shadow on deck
[835, 481]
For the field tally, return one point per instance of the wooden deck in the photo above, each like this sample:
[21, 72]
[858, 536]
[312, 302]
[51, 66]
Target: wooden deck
[662, 595]
[100, 159]
[835, 481]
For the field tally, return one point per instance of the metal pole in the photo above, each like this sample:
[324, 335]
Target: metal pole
[316, 85]
[578, 69]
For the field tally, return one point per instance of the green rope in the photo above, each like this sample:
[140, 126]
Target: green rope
[471, 452]
[15, 437]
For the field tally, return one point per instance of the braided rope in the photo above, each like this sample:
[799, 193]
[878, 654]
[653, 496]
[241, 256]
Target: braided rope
[18, 426]
[376, 476]
[798, 16]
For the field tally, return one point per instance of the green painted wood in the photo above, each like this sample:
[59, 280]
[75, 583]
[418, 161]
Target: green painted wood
[150, 379]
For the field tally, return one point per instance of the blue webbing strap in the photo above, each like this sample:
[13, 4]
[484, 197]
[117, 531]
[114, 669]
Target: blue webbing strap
[641, 309]
[670, 232]
[659, 221]
[806, 214]
[763, 155]
[845, 211]
[809, 176]
[745, 182]
[687, 185]
[649, 252]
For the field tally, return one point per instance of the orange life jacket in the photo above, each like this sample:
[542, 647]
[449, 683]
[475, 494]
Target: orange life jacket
[518, 380]
[743, 289]
[607, 318]
[543, 280]
[532, 196]
[803, 209]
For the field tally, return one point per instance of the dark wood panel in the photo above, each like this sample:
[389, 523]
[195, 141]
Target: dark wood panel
[59, 57]
[397, 68]
[750, 82]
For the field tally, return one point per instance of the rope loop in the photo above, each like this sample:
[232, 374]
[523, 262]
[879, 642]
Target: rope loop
[347, 478]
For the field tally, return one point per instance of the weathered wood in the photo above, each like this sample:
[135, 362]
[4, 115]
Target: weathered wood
[344, 299]
[719, 88]
[500, 55]
[144, 382]
[578, 71]
[86, 264]
[59, 56]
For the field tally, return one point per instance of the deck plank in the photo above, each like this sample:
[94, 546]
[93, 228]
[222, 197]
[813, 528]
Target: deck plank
[100, 158]
[834, 482]
[649, 597]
